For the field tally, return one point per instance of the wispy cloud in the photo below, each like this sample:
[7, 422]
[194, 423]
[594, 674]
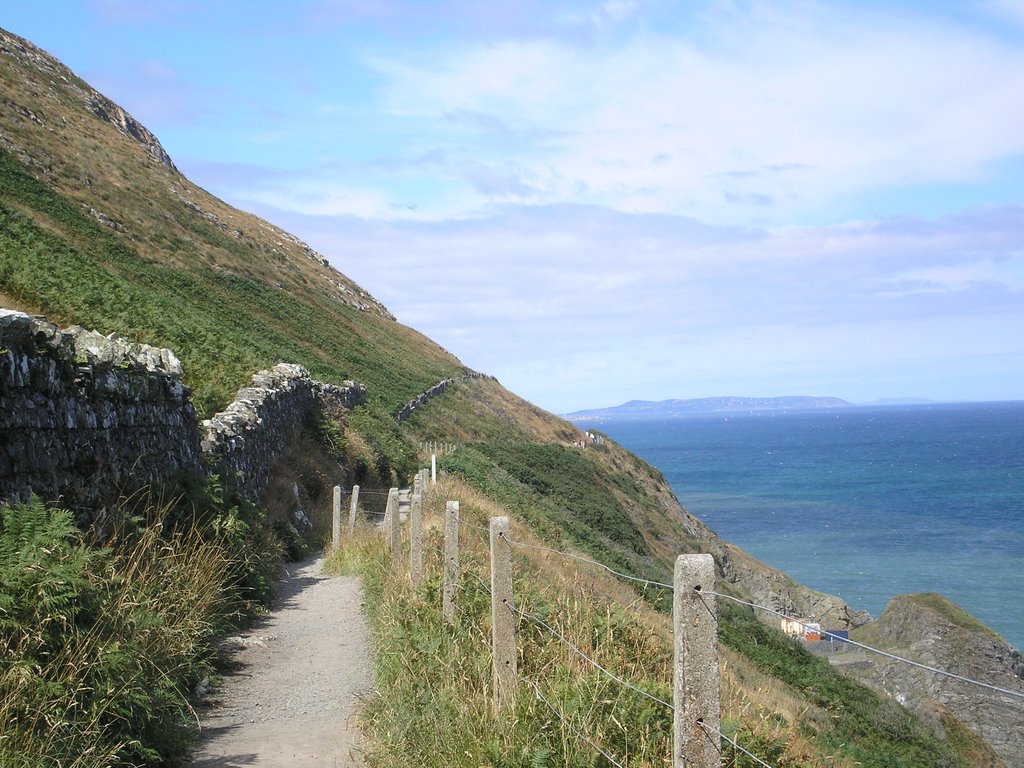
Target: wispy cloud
[852, 103]
[685, 307]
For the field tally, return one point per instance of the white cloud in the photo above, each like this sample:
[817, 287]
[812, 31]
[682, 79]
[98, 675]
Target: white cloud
[561, 303]
[852, 103]
[319, 199]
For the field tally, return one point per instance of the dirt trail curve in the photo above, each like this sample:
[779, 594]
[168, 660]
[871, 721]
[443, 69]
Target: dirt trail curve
[297, 677]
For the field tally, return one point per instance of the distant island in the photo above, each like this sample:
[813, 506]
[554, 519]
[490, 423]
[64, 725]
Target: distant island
[647, 409]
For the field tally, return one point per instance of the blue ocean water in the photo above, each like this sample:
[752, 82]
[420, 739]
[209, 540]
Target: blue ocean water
[865, 503]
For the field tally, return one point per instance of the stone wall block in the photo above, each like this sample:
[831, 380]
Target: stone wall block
[87, 417]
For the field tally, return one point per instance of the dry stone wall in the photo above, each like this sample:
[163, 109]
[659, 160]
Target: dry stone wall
[434, 391]
[243, 442]
[87, 418]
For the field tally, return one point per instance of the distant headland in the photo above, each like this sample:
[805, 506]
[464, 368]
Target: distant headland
[648, 409]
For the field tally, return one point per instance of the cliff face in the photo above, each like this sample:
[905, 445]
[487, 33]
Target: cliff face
[933, 631]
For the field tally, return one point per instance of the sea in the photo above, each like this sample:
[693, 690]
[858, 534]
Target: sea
[864, 502]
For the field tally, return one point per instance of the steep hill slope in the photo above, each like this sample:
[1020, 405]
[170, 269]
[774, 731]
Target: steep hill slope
[98, 228]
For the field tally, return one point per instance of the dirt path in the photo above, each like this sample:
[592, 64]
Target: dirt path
[298, 675]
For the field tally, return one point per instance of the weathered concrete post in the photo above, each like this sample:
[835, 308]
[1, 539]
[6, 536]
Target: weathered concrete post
[433, 469]
[451, 561]
[391, 522]
[352, 507]
[696, 681]
[503, 627]
[336, 518]
[416, 540]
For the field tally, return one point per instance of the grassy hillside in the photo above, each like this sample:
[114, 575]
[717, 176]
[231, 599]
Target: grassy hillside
[97, 228]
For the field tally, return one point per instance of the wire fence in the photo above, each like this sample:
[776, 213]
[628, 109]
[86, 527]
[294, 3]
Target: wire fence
[575, 649]
[780, 614]
[566, 722]
[712, 732]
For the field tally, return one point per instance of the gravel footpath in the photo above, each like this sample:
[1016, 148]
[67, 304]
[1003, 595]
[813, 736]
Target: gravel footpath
[297, 678]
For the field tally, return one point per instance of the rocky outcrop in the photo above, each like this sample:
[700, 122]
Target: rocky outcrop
[97, 103]
[107, 110]
[772, 588]
[243, 442]
[931, 630]
[86, 419]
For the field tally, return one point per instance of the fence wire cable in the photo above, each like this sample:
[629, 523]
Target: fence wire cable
[471, 525]
[961, 678]
[582, 559]
[714, 731]
[580, 653]
[566, 721]
[486, 588]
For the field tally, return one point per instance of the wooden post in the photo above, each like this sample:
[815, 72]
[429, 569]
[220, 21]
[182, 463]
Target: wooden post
[696, 681]
[433, 469]
[391, 522]
[451, 560]
[503, 626]
[352, 507]
[336, 518]
[416, 539]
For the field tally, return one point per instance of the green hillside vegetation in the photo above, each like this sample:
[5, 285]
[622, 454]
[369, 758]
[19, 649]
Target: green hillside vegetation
[95, 231]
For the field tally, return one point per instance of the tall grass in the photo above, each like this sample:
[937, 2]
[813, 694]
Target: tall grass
[101, 646]
[434, 706]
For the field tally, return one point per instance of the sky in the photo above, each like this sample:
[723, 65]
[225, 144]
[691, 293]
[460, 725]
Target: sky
[631, 199]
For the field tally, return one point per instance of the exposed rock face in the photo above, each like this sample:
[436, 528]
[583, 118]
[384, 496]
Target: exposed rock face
[107, 110]
[97, 103]
[87, 418]
[933, 631]
[772, 588]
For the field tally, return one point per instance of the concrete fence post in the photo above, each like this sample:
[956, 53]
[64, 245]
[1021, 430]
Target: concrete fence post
[336, 518]
[451, 561]
[416, 539]
[695, 742]
[391, 522]
[503, 626]
[352, 507]
[433, 469]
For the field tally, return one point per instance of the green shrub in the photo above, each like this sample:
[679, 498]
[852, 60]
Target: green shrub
[100, 647]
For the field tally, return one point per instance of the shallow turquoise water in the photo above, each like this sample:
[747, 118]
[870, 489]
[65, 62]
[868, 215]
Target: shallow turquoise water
[865, 503]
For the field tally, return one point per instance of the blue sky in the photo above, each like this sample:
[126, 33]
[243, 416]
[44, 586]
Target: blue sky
[629, 199]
